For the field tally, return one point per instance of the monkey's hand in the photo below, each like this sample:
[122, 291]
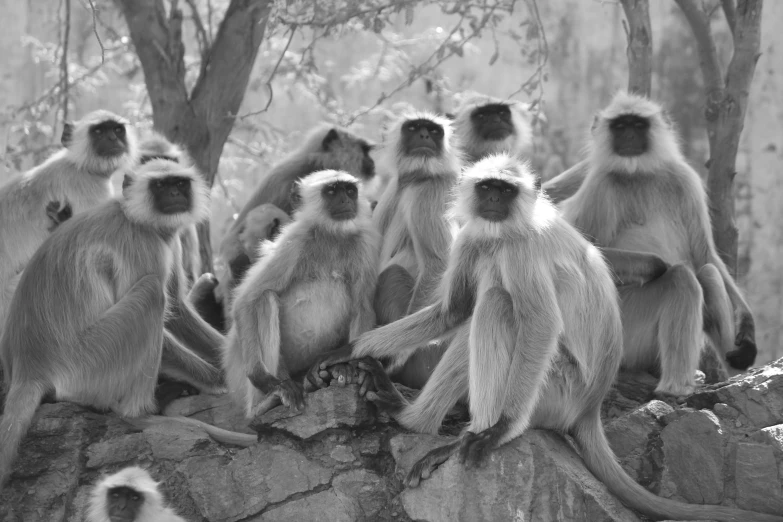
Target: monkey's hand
[318, 376]
[474, 447]
[288, 392]
[429, 463]
[745, 354]
[378, 388]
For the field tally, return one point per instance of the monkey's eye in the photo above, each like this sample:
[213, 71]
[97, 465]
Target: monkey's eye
[506, 189]
[115, 495]
[639, 124]
[135, 497]
[480, 116]
[119, 130]
[351, 191]
[412, 128]
[158, 184]
[436, 130]
[96, 131]
[484, 186]
[181, 184]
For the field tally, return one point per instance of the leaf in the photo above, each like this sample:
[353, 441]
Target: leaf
[409, 15]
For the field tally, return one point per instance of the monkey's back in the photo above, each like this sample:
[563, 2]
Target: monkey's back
[77, 274]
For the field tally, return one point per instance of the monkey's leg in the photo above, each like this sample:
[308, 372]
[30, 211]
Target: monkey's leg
[663, 321]
[202, 297]
[180, 363]
[124, 348]
[565, 185]
[718, 315]
[393, 294]
[631, 267]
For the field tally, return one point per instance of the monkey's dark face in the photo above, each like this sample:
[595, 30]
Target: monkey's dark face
[171, 194]
[630, 134]
[341, 200]
[422, 138]
[492, 122]
[494, 198]
[108, 138]
[368, 164]
[124, 504]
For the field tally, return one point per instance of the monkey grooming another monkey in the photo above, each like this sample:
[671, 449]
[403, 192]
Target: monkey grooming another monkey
[75, 179]
[537, 347]
[130, 495]
[86, 323]
[311, 291]
[641, 195]
[417, 234]
[485, 125]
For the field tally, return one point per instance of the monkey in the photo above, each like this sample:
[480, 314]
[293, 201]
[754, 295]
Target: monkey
[565, 185]
[325, 147]
[78, 177]
[86, 323]
[183, 321]
[486, 125]
[537, 347]
[130, 495]
[311, 291]
[156, 146]
[58, 213]
[640, 194]
[411, 218]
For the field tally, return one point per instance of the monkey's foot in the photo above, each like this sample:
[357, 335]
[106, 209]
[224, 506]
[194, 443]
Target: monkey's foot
[423, 469]
[205, 283]
[342, 374]
[745, 355]
[674, 394]
[324, 361]
[378, 388]
[291, 394]
[474, 447]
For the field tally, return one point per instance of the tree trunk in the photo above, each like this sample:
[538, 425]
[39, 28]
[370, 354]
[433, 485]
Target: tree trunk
[639, 50]
[725, 107]
[203, 119]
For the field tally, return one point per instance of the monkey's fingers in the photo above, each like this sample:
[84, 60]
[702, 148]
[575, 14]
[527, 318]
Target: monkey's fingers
[344, 373]
[474, 448]
[745, 355]
[292, 394]
[429, 463]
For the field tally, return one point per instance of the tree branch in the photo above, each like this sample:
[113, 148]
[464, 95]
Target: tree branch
[64, 62]
[730, 10]
[95, 31]
[272, 77]
[639, 50]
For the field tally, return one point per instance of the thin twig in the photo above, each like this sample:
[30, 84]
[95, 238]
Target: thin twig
[271, 77]
[64, 63]
[730, 10]
[95, 31]
[543, 57]
[222, 184]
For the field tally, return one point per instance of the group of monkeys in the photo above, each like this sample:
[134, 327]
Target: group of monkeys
[459, 273]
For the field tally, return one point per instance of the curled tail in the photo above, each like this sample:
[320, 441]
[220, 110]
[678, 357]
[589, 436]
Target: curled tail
[20, 405]
[600, 460]
[219, 434]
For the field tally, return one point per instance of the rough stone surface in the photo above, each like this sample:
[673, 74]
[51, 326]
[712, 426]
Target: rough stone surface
[339, 461]
[325, 410]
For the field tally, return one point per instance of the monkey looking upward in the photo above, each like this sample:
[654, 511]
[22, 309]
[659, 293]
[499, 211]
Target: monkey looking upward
[537, 347]
[411, 217]
[485, 125]
[130, 495]
[72, 180]
[311, 291]
[641, 195]
[86, 323]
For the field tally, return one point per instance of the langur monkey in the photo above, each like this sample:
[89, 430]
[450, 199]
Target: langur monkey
[416, 232]
[485, 125]
[130, 495]
[538, 337]
[86, 323]
[183, 320]
[641, 195]
[311, 291]
[74, 179]
[565, 185]
[325, 147]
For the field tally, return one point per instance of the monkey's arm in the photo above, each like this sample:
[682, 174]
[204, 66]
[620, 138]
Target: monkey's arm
[565, 185]
[180, 363]
[363, 289]
[631, 267]
[431, 238]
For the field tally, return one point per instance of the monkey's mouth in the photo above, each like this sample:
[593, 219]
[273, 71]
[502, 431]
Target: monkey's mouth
[629, 151]
[424, 151]
[497, 134]
[493, 215]
[344, 215]
[176, 208]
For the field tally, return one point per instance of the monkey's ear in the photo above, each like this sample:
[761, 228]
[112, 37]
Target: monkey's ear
[127, 181]
[67, 138]
[330, 138]
[537, 184]
[294, 198]
[666, 117]
[594, 126]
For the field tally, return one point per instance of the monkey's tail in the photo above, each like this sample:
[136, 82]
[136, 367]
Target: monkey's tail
[219, 434]
[20, 405]
[591, 439]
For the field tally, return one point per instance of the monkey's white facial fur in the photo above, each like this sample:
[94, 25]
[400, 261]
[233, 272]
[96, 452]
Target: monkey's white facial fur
[138, 200]
[393, 152]
[521, 140]
[81, 146]
[313, 210]
[662, 148]
[134, 478]
[529, 212]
